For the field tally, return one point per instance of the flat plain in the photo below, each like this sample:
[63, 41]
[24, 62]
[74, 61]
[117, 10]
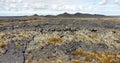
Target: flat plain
[37, 39]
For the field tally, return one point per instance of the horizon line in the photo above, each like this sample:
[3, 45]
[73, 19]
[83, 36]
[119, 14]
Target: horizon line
[56, 14]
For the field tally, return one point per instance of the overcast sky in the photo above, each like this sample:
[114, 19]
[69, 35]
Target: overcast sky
[44, 7]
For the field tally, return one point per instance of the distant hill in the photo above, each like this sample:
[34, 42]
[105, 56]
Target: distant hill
[61, 15]
[79, 15]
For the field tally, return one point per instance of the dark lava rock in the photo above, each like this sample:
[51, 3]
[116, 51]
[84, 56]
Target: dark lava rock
[14, 53]
[2, 29]
[67, 48]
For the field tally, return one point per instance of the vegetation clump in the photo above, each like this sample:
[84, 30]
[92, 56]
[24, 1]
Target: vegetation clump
[2, 44]
[54, 40]
[2, 35]
[96, 56]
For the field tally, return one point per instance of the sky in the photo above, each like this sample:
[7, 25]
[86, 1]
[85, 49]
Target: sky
[54, 7]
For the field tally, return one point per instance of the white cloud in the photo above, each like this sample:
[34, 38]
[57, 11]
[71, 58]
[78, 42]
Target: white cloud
[103, 2]
[64, 7]
[54, 6]
[117, 1]
[11, 1]
[39, 6]
[13, 5]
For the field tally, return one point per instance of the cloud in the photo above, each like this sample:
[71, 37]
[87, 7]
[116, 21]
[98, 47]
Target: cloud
[102, 2]
[64, 7]
[117, 1]
[40, 6]
[55, 6]
[11, 1]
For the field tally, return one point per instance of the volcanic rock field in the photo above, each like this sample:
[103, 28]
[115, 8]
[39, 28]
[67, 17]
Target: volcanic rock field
[59, 40]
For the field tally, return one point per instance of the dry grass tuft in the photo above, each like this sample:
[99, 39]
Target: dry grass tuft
[101, 57]
[118, 41]
[25, 35]
[77, 61]
[2, 35]
[2, 44]
[54, 40]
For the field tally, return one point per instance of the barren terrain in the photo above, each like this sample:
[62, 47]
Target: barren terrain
[37, 39]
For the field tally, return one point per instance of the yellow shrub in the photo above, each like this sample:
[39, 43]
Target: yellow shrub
[25, 35]
[1, 44]
[77, 61]
[54, 40]
[4, 43]
[79, 51]
[118, 41]
[59, 61]
[101, 57]
[17, 44]
[2, 35]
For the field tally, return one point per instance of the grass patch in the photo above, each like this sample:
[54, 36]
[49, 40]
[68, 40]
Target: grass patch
[54, 40]
[102, 57]
[2, 35]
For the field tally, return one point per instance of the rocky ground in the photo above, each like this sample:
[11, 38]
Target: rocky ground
[60, 40]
